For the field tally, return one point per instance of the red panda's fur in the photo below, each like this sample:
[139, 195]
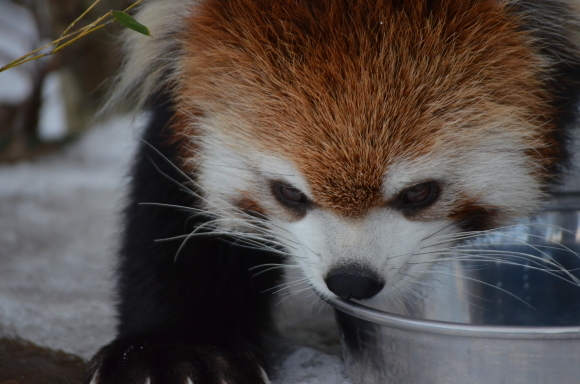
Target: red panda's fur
[360, 138]
[451, 73]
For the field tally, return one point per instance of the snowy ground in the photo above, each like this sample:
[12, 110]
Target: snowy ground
[58, 225]
[58, 235]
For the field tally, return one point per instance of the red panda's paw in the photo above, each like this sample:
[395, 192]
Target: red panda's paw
[132, 363]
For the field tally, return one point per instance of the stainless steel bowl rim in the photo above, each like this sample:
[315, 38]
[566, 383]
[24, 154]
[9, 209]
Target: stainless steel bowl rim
[455, 329]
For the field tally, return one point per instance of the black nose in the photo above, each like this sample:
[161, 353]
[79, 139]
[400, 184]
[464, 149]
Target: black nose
[354, 281]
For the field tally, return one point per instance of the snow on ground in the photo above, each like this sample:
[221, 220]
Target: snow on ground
[59, 228]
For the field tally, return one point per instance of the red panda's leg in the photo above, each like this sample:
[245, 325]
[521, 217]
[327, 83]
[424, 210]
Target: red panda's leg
[200, 317]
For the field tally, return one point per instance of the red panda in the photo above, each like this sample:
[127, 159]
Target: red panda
[349, 136]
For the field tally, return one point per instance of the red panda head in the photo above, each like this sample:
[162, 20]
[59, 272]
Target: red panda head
[361, 133]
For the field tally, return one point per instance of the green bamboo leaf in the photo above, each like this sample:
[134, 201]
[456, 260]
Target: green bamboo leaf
[128, 21]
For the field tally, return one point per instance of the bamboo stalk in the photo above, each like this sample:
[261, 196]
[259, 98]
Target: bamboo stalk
[70, 37]
[71, 26]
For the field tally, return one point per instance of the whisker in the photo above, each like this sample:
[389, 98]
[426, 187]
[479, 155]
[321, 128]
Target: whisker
[493, 286]
[553, 272]
[294, 293]
[180, 207]
[451, 289]
[175, 167]
[268, 270]
[495, 254]
[439, 231]
[273, 265]
[181, 186]
[286, 285]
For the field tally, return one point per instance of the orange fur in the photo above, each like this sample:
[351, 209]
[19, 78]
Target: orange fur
[344, 89]
[251, 207]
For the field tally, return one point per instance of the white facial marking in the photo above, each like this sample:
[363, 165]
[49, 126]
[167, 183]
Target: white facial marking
[149, 58]
[399, 250]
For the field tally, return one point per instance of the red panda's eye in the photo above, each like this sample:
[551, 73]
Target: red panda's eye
[290, 197]
[291, 194]
[420, 195]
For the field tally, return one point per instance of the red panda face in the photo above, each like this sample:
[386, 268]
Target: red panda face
[267, 197]
[363, 133]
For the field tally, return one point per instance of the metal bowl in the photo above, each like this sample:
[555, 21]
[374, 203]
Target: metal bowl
[519, 316]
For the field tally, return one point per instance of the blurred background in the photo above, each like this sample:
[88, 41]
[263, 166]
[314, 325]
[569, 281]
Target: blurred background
[48, 102]
[62, 176]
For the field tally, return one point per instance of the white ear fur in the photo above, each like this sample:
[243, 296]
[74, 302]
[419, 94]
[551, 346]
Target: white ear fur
[149, 58]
